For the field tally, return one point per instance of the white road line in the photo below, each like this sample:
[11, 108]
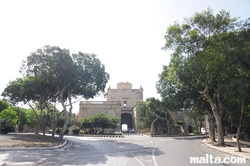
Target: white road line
[137, 159]
[153, 157]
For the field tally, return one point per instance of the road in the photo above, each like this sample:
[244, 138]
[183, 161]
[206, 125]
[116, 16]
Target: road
[133, 150]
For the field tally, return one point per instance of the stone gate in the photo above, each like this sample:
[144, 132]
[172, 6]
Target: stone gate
[120, 102]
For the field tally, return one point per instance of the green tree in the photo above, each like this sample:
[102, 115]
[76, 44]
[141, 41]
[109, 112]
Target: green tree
[31, 117]
[69, 76]
[141, 112]
[8, 119]
[236, 91]
[74, 121]
[154, 110]
[198, 42]
[100, 121]
[32, 91]
[3, 105]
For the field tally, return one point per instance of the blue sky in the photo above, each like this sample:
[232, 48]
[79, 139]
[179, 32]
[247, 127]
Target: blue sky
[126, 35]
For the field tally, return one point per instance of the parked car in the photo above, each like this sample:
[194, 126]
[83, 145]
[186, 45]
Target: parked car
[203, 131]
[131, 130]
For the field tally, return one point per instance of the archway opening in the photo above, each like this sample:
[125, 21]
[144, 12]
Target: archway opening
[127, 119]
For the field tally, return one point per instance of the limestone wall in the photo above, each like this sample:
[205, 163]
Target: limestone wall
[89, 108]
[120, 100]
[125, 94]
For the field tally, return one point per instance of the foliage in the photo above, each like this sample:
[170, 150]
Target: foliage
[51, 74]
[31, 119]
[151, 114]
[210, 60]
[74, 121]
[76, 131]
[100, 121]
[32, 91]
[3, 105]
[180, 122]
[8, 119]
[115, 133]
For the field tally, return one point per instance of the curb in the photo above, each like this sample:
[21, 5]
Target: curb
[242, 142]
[182, 135]
[225, 151]
[35, 148]
[93, 135]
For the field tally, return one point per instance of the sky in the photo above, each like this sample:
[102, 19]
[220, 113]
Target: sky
[126, 35]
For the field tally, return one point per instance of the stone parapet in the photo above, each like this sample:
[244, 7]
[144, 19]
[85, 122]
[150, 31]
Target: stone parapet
[100, 102]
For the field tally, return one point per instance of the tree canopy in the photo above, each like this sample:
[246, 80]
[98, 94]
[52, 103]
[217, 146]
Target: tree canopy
[210, 57]
[51, 74]
[100, 121]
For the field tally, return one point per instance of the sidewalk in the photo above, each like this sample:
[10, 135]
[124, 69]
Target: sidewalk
[231, 147]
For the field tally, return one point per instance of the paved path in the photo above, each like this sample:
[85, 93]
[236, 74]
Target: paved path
[231, 147]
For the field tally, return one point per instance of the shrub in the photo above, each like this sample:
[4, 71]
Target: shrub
[180, 122]
[115, 133]
[195, 131]
[76, 131]
[157, 133]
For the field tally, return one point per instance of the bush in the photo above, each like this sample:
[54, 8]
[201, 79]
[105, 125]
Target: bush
[76, 131]
[196, 131]
[157, 133]
[180, 122]
[58, 131]
[6, 129]
[115, 133]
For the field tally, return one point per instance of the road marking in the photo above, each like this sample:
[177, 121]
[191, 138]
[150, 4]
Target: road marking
[153, 156]
[137, 159]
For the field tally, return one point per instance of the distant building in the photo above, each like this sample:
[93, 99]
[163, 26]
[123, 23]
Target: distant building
[120, 102]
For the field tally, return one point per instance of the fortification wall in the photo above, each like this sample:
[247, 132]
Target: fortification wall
[125, 94]
[89, 108]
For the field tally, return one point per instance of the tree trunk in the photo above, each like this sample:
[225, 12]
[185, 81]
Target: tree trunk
[168, 121]
[217, 115]
[54, 123]
[168, 126]
[238, 138]
[239, 126]
[212, 129]
[65, 125]
[37, 127]
[152, 125]
[67, 114]
[220, 131]
[43, 124]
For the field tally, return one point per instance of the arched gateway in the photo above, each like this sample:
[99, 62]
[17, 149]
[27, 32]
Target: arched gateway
[120, 102]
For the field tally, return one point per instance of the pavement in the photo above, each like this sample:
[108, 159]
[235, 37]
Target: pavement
[231, 147]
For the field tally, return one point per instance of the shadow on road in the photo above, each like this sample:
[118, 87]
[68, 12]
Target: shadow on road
[82, 152]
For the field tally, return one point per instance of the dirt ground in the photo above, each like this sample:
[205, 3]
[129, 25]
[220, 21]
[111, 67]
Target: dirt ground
[28, 140]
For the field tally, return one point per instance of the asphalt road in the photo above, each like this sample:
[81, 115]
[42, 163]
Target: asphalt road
[133, 150]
